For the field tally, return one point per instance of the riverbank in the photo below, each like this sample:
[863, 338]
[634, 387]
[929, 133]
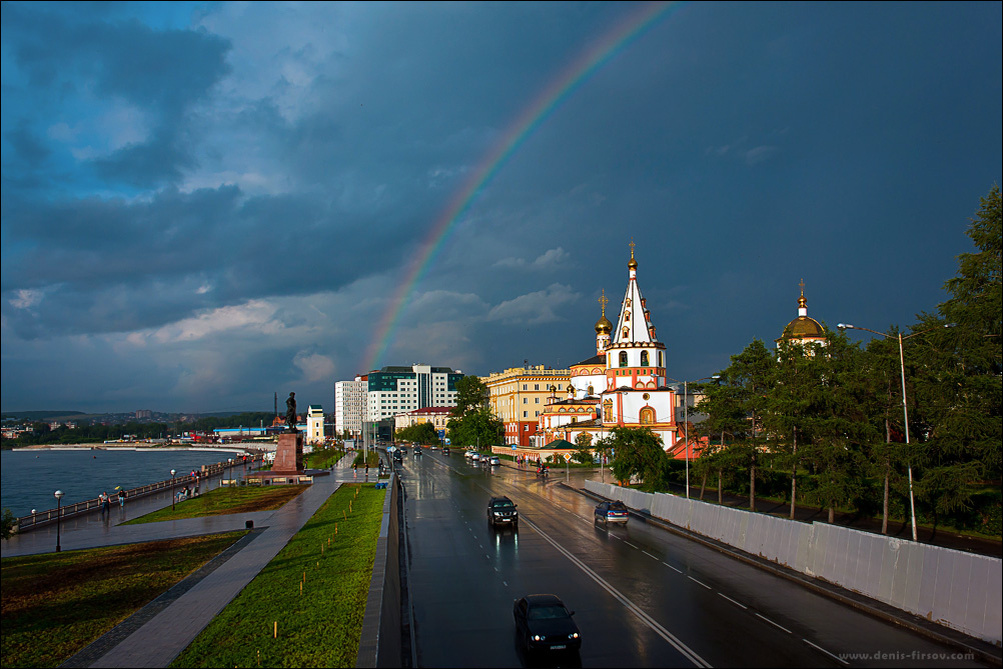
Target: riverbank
[241, 448]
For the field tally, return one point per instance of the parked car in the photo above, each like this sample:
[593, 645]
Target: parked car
[544, 623]
[493, 460]
[502, 511]
[611, 512]
[473, 455]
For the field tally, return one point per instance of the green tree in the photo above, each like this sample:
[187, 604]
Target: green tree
[955, 393]
[471, 395]
[7, 523]
[423, 433]
[478, 427]
[737, 405]
[639, 452]
[584, 443]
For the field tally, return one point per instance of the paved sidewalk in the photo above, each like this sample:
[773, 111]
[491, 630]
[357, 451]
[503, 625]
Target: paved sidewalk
[159, 640]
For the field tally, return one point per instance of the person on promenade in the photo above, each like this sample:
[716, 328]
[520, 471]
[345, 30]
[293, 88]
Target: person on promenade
[105, 504]
[121, 498]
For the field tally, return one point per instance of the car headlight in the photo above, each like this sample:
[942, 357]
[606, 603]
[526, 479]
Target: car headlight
[537, 637]
[573, 635]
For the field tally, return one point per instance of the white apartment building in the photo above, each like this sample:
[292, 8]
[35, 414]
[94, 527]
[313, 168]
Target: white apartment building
[396, 390]
[350, 405]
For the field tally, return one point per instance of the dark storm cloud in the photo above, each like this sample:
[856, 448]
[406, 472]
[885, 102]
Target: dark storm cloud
[161, 72]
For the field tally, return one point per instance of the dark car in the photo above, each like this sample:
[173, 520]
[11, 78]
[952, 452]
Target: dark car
[543, 623]
[611, 512]
[501, 511]
[398, 457]
[445, 450]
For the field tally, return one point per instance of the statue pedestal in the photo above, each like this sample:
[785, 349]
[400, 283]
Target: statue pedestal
[289, 454]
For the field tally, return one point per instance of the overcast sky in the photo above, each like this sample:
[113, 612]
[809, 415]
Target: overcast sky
[207, 203]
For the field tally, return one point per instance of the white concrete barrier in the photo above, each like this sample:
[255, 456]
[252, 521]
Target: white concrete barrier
[960, 590]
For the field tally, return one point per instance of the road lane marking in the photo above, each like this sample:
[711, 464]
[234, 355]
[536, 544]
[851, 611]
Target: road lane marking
[629, 544]
[775, 624]
[649, 554]
[683, 649]
[698, 582]
[733, 601]
[678, 571]
[835, 657]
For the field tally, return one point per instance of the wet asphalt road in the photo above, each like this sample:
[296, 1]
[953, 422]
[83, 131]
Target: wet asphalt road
[643, 597]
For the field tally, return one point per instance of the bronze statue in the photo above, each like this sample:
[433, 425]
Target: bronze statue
[291, 414]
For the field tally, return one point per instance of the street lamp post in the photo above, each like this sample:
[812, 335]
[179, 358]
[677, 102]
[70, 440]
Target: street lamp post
[686, 418]
[172, 489]
[905, 408]
[59, 496]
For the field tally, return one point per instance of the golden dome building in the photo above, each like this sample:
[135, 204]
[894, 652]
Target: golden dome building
[803, 329]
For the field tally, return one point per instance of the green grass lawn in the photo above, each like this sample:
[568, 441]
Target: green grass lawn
[55, 604]
[229, 499]
[320, 626]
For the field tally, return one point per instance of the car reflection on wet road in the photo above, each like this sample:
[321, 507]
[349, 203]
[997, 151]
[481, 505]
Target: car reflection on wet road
[643, 597]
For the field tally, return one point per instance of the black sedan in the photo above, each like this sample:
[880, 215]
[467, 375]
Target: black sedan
[542, 622]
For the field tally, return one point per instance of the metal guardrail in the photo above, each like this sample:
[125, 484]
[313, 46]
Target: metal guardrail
[31, 521]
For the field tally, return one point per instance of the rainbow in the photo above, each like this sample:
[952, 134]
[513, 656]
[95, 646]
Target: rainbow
[609, 45]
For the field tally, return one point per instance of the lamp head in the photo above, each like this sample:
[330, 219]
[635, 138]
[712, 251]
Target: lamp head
[172, 472]
[59, 494]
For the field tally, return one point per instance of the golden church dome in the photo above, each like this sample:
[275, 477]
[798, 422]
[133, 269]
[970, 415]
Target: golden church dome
[802, 327]
[603, 326]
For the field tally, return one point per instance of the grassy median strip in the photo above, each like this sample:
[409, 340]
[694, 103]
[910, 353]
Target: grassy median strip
[305, 608]
[55, 604]
[230, 499]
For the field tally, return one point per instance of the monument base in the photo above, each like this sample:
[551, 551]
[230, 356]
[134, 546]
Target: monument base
[289, 454]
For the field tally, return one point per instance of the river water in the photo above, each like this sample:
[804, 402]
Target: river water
[28, 479]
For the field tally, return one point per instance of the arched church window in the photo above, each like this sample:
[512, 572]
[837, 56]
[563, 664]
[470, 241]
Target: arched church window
[623, 358]
[660, 362]
[607, 411]
[644, 358]
[647, 416]
[592, 391]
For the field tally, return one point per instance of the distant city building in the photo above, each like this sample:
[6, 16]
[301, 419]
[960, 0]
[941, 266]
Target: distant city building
[315, 424]
[144, 414]
[350, 405]
[437, 416]
[394, 390]
[519, 395]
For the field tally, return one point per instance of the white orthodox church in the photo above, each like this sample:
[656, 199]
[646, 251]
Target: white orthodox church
[622, 385]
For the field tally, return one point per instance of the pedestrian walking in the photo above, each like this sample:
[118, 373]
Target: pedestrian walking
[105, 504]
[121, 498]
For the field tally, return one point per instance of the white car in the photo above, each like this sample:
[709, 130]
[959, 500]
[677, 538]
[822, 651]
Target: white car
[473, 455]
[494, 460]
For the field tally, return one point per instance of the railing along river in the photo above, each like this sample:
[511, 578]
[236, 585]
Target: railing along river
[41, 518]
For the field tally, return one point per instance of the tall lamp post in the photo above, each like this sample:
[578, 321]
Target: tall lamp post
[905, 408]
[686, 419]
[59, 497]
[172, 489]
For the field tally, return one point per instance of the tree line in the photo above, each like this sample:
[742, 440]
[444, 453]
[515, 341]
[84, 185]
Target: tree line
[826, 423]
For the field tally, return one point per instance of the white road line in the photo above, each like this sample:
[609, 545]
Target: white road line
[835, 657]
[685, 650]
[629, 544]
[649, 554]
[698, 582]
[678, 571]
[774, 624]
[733, 601]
